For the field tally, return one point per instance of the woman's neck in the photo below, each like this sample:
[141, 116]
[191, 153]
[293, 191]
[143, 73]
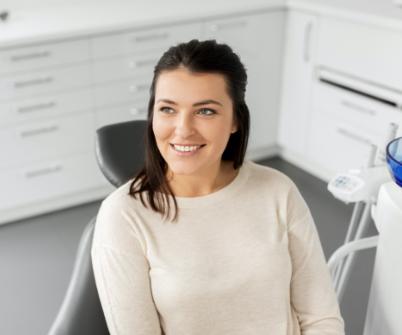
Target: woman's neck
[194, 186]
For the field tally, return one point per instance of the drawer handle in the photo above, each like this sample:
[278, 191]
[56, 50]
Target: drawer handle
[43, 171]
[227, 25]
[353, 136]
[138, 88]
[152, 37]
[307, 42]
[34, 55]
[142, 63]
[33, 82]
[358, 108]
[37, 107]
[135, 111]
[39, 131]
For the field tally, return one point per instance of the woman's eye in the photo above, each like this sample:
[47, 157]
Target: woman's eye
[207, 111]
[166, 110]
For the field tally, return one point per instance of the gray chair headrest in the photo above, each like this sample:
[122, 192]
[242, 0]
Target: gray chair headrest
[120, 150]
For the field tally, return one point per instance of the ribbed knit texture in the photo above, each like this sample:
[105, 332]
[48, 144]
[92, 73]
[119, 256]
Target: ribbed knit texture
[245, 259]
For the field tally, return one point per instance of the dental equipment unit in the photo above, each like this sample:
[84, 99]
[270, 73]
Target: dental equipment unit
[376, 190]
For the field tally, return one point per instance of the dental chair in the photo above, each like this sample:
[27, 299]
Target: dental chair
[120, 155]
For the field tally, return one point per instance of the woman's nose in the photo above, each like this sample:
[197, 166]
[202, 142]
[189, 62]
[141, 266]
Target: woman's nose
[184, 125]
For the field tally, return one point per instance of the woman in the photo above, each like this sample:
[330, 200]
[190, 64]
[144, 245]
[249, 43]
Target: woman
[200, 242]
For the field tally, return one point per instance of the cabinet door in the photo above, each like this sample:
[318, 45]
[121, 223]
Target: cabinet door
[258, 41]
[297, 81]
[367, 52]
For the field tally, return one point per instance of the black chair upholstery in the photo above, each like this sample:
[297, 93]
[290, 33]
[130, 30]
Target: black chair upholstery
[81, 311]
[120, 155]
[120, 150]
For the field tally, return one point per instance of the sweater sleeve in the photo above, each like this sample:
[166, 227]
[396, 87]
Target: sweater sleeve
[312, 294]
[121, 275]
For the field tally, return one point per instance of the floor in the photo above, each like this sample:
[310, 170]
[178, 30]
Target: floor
[37, 256]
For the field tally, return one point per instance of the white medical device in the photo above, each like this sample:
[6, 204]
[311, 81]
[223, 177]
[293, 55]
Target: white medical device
[377, 190]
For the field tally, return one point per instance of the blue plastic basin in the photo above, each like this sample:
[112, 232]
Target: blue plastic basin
[394, 159]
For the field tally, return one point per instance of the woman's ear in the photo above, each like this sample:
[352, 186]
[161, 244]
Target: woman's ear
[234, 127]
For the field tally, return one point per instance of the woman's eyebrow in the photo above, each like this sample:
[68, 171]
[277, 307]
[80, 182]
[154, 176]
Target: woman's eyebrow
[203, 102]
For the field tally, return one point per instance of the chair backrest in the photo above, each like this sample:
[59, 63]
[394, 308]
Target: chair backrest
[120, 155]
[81, 311]
[120, 150]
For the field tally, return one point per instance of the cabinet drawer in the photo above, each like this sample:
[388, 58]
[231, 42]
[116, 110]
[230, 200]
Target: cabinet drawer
[128, 112]
[338, 146]
[45, 81]
[139, 41]
[42, 56]
[243, 32]
[49, 106]
[36, 141]
[120, 92]
[56, 177]
[125, 67]
[368, 52]
[361, 111]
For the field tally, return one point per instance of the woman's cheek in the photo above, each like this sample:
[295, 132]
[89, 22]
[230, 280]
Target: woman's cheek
[160, 128]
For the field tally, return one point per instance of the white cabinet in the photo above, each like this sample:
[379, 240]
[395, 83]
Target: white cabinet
[299, 58]
[46, 127]
[22, 59]
[146, 40]
[258, 39]
[368, 52]
[345, 122]
[356, 94]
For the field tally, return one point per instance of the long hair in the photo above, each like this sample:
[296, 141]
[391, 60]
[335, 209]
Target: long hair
[199, 57]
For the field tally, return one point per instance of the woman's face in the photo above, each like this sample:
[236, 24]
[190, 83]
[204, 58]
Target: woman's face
[192, 120]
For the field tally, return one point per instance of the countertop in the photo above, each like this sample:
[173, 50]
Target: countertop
[87, 17]
[54, 20]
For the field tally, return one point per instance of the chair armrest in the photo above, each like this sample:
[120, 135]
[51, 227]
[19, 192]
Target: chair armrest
[351, 247]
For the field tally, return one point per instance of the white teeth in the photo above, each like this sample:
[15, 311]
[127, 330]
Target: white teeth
[186, 148]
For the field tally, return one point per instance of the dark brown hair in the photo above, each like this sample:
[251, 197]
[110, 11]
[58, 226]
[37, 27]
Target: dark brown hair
[202, 57]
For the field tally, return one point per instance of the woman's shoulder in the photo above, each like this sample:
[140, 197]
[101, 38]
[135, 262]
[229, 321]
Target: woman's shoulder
[265, 175]
[120, 198]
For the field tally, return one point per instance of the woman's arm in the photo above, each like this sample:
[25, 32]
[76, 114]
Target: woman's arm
[312, 294]
[121, 275]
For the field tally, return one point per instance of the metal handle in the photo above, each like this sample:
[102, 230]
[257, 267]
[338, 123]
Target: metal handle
[33, 82]
[306, 44]
[228, 25]
[353, 136]
[44, 171]
[151, 37]
[33, 55]
[39, 131]
[37, 107]
[135, 111]
[142, 63]
[138, 88]
[358, 108]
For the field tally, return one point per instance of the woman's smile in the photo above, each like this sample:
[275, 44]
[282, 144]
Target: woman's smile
[186, 150]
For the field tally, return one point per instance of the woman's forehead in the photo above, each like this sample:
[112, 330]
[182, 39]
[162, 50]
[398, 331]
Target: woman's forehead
[182, 82]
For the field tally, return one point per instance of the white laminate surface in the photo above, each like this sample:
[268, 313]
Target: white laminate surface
[378, 12]
[70, 19]
[48, 20]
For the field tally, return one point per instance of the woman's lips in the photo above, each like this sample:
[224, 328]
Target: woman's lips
[186, 153]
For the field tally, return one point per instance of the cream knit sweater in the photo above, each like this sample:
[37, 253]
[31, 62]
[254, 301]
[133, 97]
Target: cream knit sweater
[244, 260]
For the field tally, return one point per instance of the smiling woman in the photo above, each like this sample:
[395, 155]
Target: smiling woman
[241, 254]
[198, 125]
